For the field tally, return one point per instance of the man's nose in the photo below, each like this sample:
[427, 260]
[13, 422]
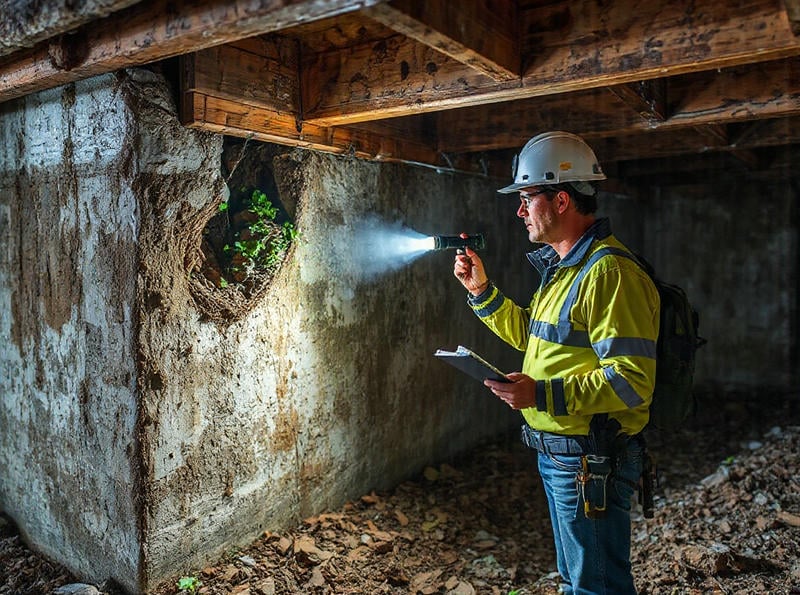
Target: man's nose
[522, 211]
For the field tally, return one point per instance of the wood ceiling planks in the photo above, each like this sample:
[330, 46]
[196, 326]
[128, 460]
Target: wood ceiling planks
[441, 82]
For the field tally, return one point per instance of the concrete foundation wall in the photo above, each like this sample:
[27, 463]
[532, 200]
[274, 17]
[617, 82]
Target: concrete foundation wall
[68, 231]
[138, 439]
[734, 248]
[328, 389]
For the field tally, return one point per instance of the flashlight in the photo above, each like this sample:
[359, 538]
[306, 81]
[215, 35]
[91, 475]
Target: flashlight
[475, 242]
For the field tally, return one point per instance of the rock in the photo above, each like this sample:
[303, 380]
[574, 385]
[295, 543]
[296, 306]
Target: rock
[717, 478]
[76, 589]
[460, 588]
[266, 587]
[790, 519]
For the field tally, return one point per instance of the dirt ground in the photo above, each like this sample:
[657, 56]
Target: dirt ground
[727, 521]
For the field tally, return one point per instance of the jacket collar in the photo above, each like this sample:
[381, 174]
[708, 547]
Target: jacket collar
[546, 257]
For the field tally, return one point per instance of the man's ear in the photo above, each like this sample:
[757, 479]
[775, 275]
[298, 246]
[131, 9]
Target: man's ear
[562, 200]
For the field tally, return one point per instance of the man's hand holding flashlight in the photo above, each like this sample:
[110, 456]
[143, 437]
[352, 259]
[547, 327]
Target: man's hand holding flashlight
[520, 393]
[469, 270]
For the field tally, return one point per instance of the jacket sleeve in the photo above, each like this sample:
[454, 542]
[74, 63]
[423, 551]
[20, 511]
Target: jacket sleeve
[504, 317]
[620, 308]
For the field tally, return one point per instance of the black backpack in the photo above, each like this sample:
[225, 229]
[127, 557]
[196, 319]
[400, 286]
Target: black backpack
[673, 398]
[678, 341]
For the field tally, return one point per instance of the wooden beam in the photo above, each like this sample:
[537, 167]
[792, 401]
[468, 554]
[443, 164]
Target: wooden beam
[646, 98]
[770, 133]
[600, 44]
[151, 31]
[715, 133]
[261, 71]
[793, 14]
[251, 88]
[389, 78]
[482, 35]
[215, 114]
[669, 143]
[24, 23]
[719, 138]
[748, 132]
[745, 93]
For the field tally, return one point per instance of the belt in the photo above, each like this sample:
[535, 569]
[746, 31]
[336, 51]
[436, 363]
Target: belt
[555, 444]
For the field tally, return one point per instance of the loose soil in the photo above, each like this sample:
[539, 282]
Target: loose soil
[727, 521]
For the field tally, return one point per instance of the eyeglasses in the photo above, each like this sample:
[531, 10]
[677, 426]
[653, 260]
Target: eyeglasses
[527, 200]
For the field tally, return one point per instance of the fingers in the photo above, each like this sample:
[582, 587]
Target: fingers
[520, 393]
[468, 268]
[462, 268]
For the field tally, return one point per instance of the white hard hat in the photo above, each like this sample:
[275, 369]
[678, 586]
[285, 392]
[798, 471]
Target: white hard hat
[554, 158]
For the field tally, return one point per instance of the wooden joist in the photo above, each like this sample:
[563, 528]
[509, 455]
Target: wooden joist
[401, 76]
[741, 94]
[233, 118]
[481, 35]
[442, 82]
[646, 98]
[151, 31]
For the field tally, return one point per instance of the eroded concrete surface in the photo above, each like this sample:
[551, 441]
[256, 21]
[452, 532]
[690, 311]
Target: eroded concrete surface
[329, 388]
[67, 363]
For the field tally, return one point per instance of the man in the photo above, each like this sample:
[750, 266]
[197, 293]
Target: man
[589, 337]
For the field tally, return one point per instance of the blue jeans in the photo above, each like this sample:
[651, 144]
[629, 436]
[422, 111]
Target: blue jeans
[593, 555]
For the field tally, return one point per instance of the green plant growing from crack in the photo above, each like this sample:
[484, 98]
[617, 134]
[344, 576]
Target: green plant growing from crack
[189, 584]
[261, 246]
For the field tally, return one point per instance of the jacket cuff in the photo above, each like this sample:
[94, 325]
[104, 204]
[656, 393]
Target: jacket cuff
[487, 303]
[474, 300]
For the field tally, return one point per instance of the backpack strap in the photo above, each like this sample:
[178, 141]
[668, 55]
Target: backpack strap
[562, 332]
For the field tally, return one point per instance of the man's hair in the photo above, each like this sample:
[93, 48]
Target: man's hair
[586, 204]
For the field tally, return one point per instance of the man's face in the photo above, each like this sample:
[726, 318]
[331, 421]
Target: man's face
[537, 210]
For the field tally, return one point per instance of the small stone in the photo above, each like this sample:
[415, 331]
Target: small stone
[247, 561]
[76, 589]
[790, 519]
[716, 479]
[284, 545]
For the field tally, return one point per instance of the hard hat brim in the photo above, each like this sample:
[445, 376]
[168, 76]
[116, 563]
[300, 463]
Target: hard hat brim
[515, 188]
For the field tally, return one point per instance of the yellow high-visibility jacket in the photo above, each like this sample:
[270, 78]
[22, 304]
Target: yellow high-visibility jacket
[589, 335]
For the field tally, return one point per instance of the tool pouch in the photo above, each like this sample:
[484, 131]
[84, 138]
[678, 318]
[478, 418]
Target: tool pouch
[528, 438]
[592, 482]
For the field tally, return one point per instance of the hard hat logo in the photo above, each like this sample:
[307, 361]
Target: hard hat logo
[554, 158]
